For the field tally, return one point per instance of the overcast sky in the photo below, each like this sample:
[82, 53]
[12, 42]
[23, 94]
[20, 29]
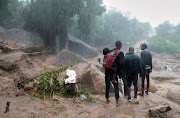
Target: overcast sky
[154, 11]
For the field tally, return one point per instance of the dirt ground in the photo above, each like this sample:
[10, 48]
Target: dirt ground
[24, 105]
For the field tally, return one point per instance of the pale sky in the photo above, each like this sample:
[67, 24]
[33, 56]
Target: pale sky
[154, 11]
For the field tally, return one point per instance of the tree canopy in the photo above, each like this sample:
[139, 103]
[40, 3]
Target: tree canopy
[167, 38]
[4, 11]
[52, 17]
[114, 25]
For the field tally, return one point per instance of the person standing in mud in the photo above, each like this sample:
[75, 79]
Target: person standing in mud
[109, 74]
[146, 61]
[132, 67]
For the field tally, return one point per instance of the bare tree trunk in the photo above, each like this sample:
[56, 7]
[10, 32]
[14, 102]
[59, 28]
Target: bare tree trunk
[63, 37]
[67, 41]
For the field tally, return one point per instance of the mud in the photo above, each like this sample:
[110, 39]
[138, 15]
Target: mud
[25, 105]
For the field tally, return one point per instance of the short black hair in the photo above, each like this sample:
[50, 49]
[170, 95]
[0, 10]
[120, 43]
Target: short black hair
[118, 43]
[131, 48]
[144, 45]
[105, 51]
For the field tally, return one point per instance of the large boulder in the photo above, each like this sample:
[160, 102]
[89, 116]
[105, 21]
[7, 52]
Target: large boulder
[67, 58]
[5, 47]
[93, 79]
[22, 37]
[152, 87]
[9, 61]
[79, 47]
[174, 95]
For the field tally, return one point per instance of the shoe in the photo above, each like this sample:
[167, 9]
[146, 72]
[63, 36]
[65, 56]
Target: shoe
[147, 93]
[135, 97]
[129, 99]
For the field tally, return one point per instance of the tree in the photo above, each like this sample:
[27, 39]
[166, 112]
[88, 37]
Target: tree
[3, 10]
[113, 26]
[165, 28]
[51, 18]
[87, 18]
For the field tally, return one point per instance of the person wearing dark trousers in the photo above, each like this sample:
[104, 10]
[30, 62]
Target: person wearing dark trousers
[120, 69]
[132, 67]
[108, 78]
[146, 61]
[109, 74]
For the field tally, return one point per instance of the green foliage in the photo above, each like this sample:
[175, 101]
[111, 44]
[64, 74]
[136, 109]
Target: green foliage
[48, 85]
[4, 11]
[115, 26]
[112, 26]
[163, 43]
[165, 28]
[167, 38]
[52, 17]
[48, 82]
[11, 12]
[68, 90]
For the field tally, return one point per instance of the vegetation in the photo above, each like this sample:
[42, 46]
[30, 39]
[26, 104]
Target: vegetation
[114, 25]
[85, 19]
[49, 85]
[4, 11]
[11, 12]
[167, 38]
[51, 18]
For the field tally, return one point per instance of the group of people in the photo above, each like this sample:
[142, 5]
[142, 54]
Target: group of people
[127, 67]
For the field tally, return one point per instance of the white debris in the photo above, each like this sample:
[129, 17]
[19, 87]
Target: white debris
[71, 77]
[83, 97]
[166, 68]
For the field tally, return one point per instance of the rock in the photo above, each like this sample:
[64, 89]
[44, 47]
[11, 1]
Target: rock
[68, 58]
[9, 61]
[152, 88]
[81, 48]
[5, 47]
[31, 49]
[28, 87]
[22, 37]
[174, 95]
[93, 79]
[161, 112]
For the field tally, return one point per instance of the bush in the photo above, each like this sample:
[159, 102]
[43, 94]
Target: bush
[163, 43]
[48, 85]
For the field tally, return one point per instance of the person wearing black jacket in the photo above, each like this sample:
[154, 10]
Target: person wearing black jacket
[120, 66]
[146, 60]
[109, 73]
[132, 67]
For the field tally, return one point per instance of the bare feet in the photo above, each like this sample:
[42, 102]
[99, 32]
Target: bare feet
[114, 81]
[117, 103]
[107, 101]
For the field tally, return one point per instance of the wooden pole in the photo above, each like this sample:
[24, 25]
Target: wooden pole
[7, 107]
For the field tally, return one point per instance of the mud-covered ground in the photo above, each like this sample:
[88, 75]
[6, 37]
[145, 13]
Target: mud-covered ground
[24, 105]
